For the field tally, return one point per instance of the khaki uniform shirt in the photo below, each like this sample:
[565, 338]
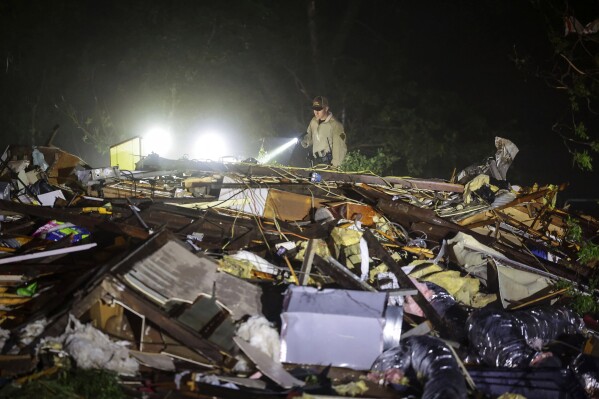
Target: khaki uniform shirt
[326, 136]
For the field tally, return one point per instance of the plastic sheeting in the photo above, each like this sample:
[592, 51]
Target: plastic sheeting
[428, 360]
[513, 339]
[586, 369]
[92, 349]
[444, 304]
[496, 167]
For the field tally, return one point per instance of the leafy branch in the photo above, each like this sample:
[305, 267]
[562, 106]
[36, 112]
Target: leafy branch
[574, 70]
[588, 251]
[97, 128]
[355, 161]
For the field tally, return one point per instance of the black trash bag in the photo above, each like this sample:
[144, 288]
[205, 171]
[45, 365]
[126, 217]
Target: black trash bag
[586, 369]
[513, 339]
[471, 171]
[41, 187]
[454, 313]
[486, 194]
[429, 361]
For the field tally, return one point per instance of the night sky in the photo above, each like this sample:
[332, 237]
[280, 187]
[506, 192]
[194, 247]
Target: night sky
[432, 82]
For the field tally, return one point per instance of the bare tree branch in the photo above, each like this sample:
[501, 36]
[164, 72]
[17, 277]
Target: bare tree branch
[572, 65]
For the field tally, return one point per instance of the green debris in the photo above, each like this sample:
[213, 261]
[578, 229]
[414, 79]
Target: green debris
[28, 290]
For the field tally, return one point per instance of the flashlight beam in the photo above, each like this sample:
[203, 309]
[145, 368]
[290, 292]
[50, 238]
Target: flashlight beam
[279, 150]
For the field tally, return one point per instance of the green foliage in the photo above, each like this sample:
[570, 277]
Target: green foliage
[589, 252]
[581, 131]
[584, 303]
[581, 302]
[583, 160]
[574, 103]
[580, 87]
[561, 284]
[418, 126]
[75, 384]
[573, 230]
[355, 161]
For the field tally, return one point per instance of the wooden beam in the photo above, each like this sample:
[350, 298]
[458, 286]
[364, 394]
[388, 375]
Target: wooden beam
[339, 273]
[404, 281]
[304, 174]
[307, 263]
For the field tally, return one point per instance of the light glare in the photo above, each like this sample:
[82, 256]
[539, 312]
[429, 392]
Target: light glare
[210, 146]
[157, 140]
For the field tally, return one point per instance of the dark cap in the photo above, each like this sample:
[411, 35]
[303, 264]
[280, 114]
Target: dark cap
[319, 103]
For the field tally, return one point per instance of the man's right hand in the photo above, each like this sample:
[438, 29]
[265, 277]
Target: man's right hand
[301, 139]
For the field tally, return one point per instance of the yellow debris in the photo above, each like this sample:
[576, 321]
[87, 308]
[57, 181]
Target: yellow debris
[382, 268]
[346, 237]
[322, 249]
[464, 289]
[237, 267]
[420, 272]
[354, 388]
[420, 251]
[508, 395]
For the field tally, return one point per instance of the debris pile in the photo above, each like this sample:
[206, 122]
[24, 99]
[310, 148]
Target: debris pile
[233, 280]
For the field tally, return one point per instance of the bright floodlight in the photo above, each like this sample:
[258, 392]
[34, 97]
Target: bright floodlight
[157, 140]
[211, 145]
[279, 150]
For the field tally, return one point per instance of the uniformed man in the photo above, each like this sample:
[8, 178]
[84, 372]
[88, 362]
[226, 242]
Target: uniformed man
[325, 134]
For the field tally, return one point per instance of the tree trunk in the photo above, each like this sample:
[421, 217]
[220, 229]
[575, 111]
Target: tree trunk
[314, 45]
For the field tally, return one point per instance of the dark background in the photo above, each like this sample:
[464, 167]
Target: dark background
[431, 82]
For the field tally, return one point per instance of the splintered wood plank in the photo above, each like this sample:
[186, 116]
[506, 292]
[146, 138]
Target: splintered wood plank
[269, 367]
[177, 330]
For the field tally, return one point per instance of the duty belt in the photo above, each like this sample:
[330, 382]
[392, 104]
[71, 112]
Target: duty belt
[324, 159]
